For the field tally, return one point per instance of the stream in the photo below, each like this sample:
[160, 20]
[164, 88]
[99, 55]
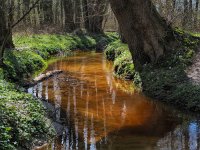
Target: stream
[101, 112]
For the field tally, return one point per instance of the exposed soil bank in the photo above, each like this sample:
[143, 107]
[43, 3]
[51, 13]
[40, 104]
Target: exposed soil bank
[167, 80]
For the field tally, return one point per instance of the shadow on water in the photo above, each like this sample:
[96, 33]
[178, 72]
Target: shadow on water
[101, 112]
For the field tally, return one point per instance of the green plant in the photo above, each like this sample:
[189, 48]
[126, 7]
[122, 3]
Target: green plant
[23, 118]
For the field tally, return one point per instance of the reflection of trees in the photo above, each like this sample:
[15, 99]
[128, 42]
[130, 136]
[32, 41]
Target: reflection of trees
[57, 97]
[100, 112]
[185, 136]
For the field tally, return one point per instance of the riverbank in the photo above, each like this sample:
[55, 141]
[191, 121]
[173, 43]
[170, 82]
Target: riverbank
[32, 52]
[167, 80]
[24, 123]
[23, 118]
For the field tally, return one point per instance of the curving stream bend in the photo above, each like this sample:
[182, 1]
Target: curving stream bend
[101, 112]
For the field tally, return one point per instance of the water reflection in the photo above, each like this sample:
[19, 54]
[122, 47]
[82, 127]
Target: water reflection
[185, 136]
[101, 112]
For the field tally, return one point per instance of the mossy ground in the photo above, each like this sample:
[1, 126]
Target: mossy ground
[167, 80]
[123, 64]
[23, 118]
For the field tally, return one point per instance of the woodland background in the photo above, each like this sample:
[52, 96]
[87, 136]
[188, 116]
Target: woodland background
[58, 16]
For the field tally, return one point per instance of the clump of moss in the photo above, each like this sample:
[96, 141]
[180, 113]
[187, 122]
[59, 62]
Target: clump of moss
[171, 86]
[123, 64]
[21, 64]
[23, 119]
[115, 49]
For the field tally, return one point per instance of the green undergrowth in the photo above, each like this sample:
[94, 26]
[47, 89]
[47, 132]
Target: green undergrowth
[167, 80]
[22, 64]
[23, 119]
[46, 45]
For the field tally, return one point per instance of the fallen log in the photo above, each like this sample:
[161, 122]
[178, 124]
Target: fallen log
[42, 77]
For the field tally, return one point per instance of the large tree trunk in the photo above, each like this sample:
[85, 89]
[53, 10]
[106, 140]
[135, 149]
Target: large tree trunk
[5, 31]
[147, 34]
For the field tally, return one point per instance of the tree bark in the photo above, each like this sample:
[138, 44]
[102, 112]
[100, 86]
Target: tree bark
[94, 14]
[78, 13]
[190, 15]
[47, 10]
[146, 32]
[69, 16]
[86, 14]
[5, 32]
[185, 15]
[174, 5]
[196, 14]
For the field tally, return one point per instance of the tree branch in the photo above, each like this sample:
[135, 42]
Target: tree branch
[25, 14]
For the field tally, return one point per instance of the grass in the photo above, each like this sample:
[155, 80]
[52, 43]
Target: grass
[23, 118]
[46, 45]
[167, 80]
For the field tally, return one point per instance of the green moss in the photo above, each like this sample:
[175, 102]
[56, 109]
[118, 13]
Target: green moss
[123, 65]
[115, 49]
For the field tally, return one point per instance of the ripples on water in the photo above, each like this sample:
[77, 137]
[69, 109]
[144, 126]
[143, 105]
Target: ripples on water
[101, 112]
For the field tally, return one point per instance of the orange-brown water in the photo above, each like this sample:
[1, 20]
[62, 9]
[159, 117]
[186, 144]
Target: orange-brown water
[101, 112]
